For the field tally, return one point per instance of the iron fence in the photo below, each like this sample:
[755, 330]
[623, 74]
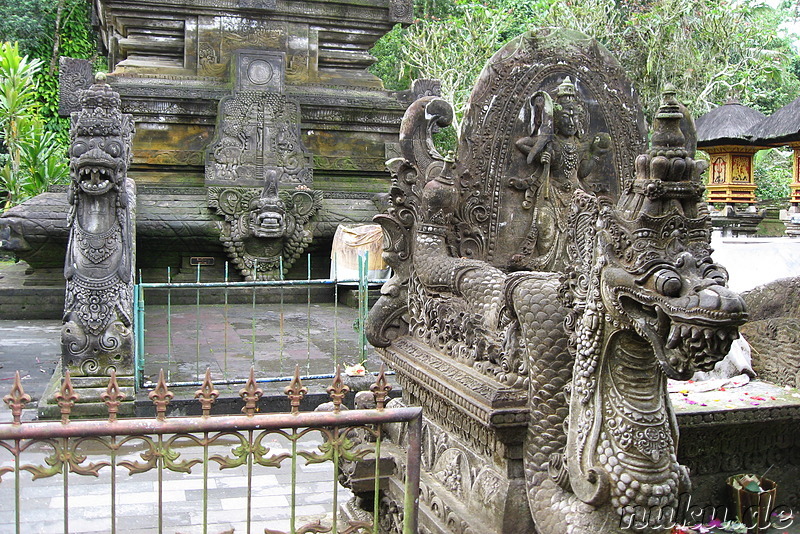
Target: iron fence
[69, 451]
[184, 339]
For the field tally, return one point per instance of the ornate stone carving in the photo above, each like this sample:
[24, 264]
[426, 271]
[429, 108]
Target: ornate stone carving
[258, 143]
[561, 164]
[74, 75]
[258, 129]
[97, 337]
[401, 10]
[261, 228]
[557, 255]
[419, 88]
[172, 61]
[774, 330]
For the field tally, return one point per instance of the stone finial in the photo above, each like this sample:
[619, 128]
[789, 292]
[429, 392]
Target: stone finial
[667, 134]
[566, 90]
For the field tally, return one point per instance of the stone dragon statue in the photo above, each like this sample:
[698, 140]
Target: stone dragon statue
[99, 267]
[643, 301]
[640, 301]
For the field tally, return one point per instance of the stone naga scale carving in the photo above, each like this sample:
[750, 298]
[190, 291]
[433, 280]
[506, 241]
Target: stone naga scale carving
[626, 294]
[98, 310]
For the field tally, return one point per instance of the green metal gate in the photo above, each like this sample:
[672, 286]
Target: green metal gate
[144, 325]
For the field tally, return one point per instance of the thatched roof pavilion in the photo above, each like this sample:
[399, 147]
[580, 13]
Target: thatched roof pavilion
[725, 133]
[782, 128]
[729, 124]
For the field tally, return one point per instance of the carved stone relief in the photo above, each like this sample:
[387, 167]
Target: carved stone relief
[97, 333]
[258, 129]
[505, 127]
[774, 331]
[555, 254]
[258, 143]
[74, 75]
[262, 229]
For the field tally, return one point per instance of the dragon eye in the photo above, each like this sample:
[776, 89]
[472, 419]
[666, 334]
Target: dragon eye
[114, 149]
[79, 148]
[667, 282]
[715, 272]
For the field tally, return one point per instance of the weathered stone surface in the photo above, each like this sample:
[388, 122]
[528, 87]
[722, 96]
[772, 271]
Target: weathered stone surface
[74, 75]
[557, 267]
[172, 84]
[174, 63]
[258, 143]
[172, 224]
[97, 335]
[774, 331]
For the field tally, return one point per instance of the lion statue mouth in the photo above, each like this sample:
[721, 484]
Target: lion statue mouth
[96, 171]
[268, 224]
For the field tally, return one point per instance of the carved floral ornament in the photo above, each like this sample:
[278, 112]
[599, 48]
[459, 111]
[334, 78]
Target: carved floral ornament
[258, 144]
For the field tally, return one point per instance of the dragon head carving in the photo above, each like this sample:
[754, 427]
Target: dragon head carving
[96, 336]
[648, 303]
[100, 150]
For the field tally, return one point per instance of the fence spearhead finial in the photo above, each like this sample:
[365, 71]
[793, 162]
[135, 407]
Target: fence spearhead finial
[66, 398]
[296, 391]
[381, 388]
[251, 394]
[338, 390]
[112, 397]
[17, 399]
[161, 396]
[207, 394]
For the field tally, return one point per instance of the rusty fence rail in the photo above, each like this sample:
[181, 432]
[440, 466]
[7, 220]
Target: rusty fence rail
[115, 452]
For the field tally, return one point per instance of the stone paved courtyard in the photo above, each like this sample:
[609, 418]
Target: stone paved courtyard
[230, 339]
[32, 347]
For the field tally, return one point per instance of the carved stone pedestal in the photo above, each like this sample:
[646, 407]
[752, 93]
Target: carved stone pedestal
[474, 428]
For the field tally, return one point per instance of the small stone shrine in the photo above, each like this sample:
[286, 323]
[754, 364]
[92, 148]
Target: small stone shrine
[547, 282]
[258, 131]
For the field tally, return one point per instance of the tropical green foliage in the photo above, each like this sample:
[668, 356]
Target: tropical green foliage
[34, 136]
[773, 173]
[454, 50]
[389, 67]
[28, 22]
[712, 50]
[33, 159]
[47, 29]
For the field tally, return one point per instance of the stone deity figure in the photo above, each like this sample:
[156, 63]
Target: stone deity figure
[561, 164]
